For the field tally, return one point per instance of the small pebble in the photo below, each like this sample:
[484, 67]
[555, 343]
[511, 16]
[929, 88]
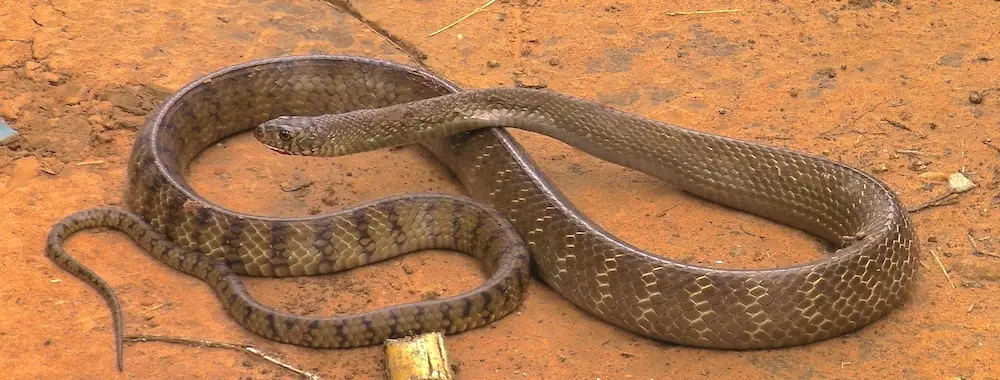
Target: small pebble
[975, 97]
[6, 132]
[959, 183]
[554, 61]
[102, 138]
[32, 66]
[918, 166]
[723, 111]
[492, 63]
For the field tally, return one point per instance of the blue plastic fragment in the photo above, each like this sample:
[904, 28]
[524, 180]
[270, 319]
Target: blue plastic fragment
[6, 132]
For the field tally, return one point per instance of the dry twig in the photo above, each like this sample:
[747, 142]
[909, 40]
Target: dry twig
[43, 166]
[702, 12]
[208, 343]
[852, 122]
[474, 11]
[976, 250]
[415, 54]
[909, 151]
[945, 271]
[750, 233]
[991, 145]
[924, 265]
[897, 124]
[948, 198]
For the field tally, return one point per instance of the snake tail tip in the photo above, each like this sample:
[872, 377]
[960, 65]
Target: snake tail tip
[120, 362]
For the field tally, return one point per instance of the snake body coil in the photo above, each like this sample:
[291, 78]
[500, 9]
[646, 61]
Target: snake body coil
[865, 278]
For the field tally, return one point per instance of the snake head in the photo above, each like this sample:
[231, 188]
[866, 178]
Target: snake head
[287, 135]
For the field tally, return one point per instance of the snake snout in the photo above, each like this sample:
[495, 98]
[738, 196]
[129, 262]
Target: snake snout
[258, 133]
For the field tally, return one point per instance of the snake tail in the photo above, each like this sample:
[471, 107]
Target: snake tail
[439, 222]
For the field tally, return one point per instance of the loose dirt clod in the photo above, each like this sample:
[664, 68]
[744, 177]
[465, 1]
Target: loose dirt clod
[976, 97]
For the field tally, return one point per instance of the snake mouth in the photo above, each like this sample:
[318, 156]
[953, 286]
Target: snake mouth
[304, 153]
[283, 151]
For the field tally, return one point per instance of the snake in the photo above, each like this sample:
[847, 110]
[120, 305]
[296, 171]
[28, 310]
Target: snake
[514, 220]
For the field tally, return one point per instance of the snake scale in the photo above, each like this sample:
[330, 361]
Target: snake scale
[333, 105]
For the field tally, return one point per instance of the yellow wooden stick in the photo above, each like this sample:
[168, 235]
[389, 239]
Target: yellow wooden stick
[421, 357]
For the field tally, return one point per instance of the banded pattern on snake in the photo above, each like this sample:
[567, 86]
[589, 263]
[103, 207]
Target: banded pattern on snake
[867, 276]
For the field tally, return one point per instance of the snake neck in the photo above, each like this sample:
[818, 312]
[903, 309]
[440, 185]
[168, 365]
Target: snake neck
[767, 181]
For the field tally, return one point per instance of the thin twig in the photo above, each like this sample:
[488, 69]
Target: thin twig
[897, 124]
[990, 254]
[208, 343]
[991, 145]
[948, 198]
[945, 271]
[474, 11]
[975, 247]
[853, 121]
[97, 162]
[415, 54]
[158, 306]
[972, 240]
[750, 233]
[910, 152]
[702, 12]
[924, 265]
[44, 167]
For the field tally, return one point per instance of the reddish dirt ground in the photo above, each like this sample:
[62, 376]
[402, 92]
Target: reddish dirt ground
[825, 77]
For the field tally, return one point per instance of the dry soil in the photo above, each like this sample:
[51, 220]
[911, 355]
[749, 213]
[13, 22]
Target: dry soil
[898, 88]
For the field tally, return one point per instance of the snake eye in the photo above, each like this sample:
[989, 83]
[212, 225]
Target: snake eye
[284, 135]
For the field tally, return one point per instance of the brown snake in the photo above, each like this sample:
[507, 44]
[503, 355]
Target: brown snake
[868, 275]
